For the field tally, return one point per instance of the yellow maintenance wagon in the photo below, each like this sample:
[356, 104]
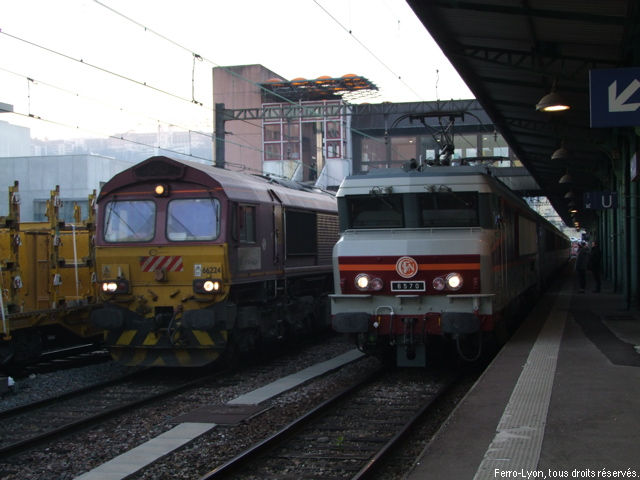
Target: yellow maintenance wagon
[47, 280]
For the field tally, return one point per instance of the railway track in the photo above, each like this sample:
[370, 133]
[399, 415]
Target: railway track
[69, 357]
[62, 358]
[347, 436]
[27, 426]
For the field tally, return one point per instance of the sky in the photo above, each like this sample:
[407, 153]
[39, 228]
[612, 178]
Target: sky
[91, 68]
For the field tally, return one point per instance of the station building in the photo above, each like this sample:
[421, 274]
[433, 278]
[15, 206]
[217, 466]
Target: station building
[312, 129]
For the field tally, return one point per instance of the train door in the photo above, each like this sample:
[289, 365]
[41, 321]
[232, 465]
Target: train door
[278, 231]
[246, 233]
[38, 247]
[501, 253]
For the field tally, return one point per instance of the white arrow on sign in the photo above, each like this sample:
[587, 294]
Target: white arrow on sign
[616, 103]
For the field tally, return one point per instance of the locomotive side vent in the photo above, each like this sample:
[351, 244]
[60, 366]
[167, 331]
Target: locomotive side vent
[327, 234]
[159, 168]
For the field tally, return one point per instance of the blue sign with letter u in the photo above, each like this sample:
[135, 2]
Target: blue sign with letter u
[600, 200]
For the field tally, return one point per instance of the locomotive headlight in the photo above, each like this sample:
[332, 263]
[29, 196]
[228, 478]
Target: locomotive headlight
[161, 190]
[362, 281]
[120, 285]
[438, 284]
[207, 285]
[365, 282]
[454, 281]
[211, 286]
[109, 287]
[375, 284]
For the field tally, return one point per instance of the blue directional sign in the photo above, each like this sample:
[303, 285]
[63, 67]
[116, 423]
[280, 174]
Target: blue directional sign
[600, 200]
[614, 94]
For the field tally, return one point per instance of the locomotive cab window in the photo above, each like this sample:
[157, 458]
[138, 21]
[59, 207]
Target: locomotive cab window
[193, 219]
[129, 221]
[449, 209]
[246, 224]
[362, 212]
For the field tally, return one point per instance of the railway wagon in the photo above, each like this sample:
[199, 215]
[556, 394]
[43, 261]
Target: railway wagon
[47, 280]
[195, 262]
[433, 258]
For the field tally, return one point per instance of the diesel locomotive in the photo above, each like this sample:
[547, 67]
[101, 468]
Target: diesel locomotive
[195, 262]
[436, 257]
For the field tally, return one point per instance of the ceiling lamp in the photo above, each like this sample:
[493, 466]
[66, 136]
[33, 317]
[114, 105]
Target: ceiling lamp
[569, 194]
[552, 101]
[565, 179]
[561, 154]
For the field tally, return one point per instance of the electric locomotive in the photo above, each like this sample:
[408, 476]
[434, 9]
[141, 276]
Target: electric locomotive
[195, 262]
[435, 258]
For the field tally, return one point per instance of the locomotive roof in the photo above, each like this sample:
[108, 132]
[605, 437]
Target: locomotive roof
[237, 186]
[477, 178]
[462, 178]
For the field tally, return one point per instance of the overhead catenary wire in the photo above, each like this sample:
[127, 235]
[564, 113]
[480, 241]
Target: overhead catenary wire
[211, 136]
[155, 88]
[192, 52]
[97, 67]
[115, 137]
[124, 77]
[349, 31]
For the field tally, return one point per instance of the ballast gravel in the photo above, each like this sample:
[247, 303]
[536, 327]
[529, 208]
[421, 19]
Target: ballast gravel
[76, 454]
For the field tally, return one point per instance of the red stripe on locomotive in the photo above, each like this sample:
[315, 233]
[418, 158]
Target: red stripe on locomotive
[429, 267]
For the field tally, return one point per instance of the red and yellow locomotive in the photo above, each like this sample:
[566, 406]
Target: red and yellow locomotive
[194, 261]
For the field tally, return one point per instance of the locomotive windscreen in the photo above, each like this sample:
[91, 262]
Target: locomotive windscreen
[193, 219]
[449, 209]
[375, 211]
[130, 221]
[429, 209]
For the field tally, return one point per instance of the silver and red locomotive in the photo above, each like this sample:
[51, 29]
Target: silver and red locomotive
[433, 257]
[194, 261]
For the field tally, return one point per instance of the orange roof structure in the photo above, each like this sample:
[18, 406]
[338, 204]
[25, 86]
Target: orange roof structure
[321, 88]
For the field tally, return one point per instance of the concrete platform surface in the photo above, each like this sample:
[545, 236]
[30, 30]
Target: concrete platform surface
[560, 400]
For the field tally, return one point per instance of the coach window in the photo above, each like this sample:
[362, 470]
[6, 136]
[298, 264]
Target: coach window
[192, 219]
[129, 221]
[246, 224]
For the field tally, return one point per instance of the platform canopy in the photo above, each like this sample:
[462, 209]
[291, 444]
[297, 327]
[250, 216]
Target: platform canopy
[512, 54]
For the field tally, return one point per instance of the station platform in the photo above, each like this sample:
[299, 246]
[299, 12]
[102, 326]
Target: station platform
[560, 400]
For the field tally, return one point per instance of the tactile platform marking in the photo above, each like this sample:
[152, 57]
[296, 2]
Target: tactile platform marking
[518, 441]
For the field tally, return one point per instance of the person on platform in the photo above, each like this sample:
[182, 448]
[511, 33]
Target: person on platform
[595, 265]
[582, 261]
